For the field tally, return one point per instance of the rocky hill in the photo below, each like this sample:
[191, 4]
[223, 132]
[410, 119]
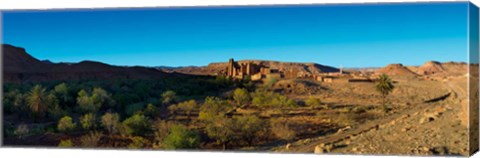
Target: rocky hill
[396, 70]
[19, 66]
[430, 68]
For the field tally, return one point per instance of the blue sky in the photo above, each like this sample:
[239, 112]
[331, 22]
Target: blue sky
[348, 35]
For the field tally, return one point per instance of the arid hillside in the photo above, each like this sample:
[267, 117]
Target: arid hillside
[19, 66]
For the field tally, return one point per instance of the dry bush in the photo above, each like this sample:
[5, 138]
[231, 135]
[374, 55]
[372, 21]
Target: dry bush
[88, 121]
[344, 120]
[138, 143]
[65, 143]
[373, 114]
[21, 131]
[65, 124]
[110, 121]
[90, 140]
[313, 102]
[161, 128]
[282, 130]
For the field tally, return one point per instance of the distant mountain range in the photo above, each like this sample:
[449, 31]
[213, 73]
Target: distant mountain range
[19, 66]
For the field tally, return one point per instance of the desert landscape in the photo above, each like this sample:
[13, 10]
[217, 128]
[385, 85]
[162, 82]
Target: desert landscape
[245, 105]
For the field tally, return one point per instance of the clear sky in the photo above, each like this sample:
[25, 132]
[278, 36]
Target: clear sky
[348, 35]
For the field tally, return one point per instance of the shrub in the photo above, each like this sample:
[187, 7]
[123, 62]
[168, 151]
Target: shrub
[187, 106]
[264, 98]
[137, 124]
[55, 112]
[151, 111]
[282, 130]
[110, 121]
[161, 131]
[8, 101]
[180, 137]
[212, 108]
[21, 131]
[313, 102]
[344, 120]
[241, 96]
[88, 121]
[15, 102]
[65, 124]
[138, 143]
[90, 140]
[65, 143]
[169, 97]
[271, 81]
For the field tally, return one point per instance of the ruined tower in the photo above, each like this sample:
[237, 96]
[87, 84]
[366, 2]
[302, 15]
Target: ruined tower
[231, 68]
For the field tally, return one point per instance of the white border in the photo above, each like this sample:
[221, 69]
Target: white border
[64, 4]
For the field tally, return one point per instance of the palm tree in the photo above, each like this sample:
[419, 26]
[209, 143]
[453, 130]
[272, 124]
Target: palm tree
[37, 100]
[384, 86]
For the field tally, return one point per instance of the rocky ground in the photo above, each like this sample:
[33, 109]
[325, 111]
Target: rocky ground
[432, 128]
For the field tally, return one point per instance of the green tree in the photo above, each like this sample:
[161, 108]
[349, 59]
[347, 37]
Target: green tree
[137, 124]
[249, 128]
[169, 97]
[21, 106]
[110, 121]
[62, 92]
[101, 97]
[221, 129]
[241, 96]
[54, 110]
[187, 106]
[384, 86]
[85, 102]
[14, 102]
[180, 137]
[88, 121]
[95, 101]
[37, 101]
[212, 108]
[65, 124]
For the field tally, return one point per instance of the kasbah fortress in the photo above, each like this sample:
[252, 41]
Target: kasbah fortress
[256, 71]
